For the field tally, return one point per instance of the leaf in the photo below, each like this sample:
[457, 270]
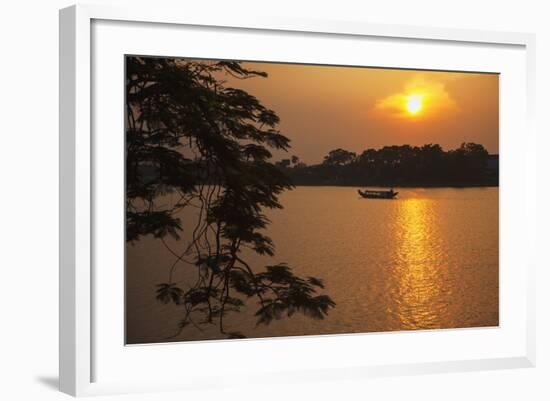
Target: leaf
[169, 292]
[316, 282]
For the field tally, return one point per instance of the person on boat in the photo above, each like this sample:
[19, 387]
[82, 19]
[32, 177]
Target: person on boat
[391, 191]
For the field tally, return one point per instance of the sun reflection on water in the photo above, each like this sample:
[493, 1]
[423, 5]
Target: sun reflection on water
[419, 265]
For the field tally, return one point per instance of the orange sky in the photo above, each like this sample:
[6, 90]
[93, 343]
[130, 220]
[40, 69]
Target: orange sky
[323, 108]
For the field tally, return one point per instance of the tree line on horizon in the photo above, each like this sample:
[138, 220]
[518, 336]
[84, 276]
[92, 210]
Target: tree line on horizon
[398, 165]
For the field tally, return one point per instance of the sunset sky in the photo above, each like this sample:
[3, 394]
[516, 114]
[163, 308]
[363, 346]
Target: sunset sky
[324, 107]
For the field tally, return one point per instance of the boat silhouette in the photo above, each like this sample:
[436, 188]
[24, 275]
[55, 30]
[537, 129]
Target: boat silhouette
[371, 194]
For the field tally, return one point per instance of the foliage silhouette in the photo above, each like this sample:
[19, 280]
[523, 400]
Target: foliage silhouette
[339, 157]
[189, 134]
[405, 165]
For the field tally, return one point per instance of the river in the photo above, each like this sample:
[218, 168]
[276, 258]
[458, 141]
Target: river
[426, 260]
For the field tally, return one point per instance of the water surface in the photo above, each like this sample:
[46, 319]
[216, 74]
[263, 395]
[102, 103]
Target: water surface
[426, 260]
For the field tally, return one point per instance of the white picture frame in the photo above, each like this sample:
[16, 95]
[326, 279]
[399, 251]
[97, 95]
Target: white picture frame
[80, 349]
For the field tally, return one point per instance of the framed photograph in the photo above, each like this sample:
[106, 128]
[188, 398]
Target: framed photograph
[340, 199]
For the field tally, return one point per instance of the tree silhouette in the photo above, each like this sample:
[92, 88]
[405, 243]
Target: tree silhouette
[402, 165]
[189, 134]
[339, 157]
[284, 163]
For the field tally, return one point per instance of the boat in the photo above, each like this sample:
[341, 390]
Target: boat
[391, 194]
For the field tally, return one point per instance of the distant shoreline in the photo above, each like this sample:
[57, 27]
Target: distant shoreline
[400, 186]
[405, 166]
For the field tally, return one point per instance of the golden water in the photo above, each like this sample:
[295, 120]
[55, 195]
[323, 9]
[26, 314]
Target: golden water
[426, 260]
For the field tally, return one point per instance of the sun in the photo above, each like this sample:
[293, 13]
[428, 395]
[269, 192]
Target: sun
[414, 104]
